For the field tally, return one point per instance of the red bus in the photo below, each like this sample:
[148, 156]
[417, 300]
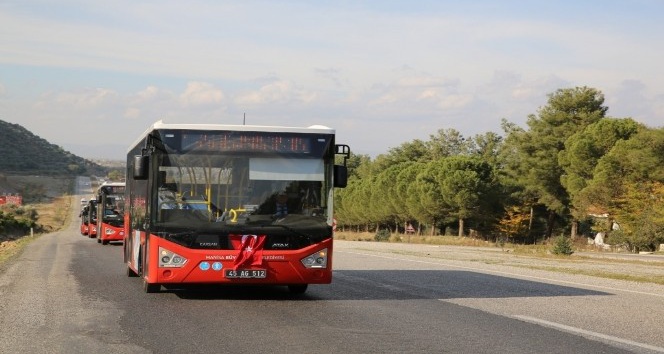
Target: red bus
[84, 215]
[110, 209]
[227, 204]
[89, 219]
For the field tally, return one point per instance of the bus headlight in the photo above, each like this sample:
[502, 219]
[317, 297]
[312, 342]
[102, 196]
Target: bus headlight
[168, 259]
[109, 231]
[316, 260]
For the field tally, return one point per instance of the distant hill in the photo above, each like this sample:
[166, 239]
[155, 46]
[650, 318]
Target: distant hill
[22, 152]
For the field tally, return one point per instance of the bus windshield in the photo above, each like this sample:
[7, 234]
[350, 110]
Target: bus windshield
[203, 191]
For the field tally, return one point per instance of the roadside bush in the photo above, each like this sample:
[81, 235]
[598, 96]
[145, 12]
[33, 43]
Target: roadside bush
[562, 246]
[16, 220]
[646, 238]
[382, 235]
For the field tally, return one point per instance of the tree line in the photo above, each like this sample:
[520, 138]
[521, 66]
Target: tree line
[571, 171]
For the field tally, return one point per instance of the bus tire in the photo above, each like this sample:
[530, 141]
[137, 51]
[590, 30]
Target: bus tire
[151, 288]
[98, 241]
[298, 288]
[104, 242]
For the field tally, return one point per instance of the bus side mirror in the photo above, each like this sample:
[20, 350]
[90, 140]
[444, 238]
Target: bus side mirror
[341, 171]
[340, 176]
[141, 167]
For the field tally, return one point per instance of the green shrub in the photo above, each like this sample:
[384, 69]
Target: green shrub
[646, 238]
[562, 246]
[15, 220]
[382, 235]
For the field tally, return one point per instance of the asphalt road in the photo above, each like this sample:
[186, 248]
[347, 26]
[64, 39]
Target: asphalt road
[68, 294]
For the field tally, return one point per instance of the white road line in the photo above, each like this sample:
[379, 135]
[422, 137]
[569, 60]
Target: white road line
[588, 333]
[505, 273]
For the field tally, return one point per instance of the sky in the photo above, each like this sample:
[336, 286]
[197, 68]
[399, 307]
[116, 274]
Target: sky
[91, 76]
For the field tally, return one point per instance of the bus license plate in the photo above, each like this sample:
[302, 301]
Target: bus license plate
[246, 273]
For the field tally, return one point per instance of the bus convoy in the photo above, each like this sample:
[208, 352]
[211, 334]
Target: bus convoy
[223, 204]
[107, 202]
[89, 218]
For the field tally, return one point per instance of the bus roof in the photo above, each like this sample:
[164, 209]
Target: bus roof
[113, 184]
[110, 184]
[316, 129]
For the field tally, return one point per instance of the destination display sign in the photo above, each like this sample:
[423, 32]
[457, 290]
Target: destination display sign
[246, 142]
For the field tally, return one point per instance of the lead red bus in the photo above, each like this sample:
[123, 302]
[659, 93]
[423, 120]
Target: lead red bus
[110, 212]
[225, 204]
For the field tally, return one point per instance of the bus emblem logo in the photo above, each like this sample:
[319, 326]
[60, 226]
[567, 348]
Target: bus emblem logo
[217, 266]
[204, 266]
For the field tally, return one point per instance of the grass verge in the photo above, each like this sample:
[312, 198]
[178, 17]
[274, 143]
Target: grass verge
[50, 197]
[518, 255]
[655, 279]
[12, 247]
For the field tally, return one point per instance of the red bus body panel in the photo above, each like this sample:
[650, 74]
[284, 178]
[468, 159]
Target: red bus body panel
[92, 230]
[284, 267]
[111, 233]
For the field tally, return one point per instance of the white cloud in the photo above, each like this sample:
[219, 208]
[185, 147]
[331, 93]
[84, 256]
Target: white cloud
[630, 99]
[422, 80]
[416, 95]
[148, 94]
[277, 92]
[428, 94]
[455, 101]
[201, 94]
[83, 100]
[658, 111]
[132, 113]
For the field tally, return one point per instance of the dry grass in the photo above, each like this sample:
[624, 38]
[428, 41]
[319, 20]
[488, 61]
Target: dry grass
[55, 215]
[49, 196]
[429, 240]
[11, 247]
